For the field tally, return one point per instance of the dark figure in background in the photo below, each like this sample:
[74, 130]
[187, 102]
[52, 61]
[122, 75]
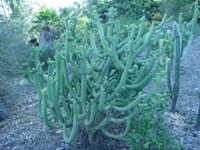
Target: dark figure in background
[33, 42]
[47, 39]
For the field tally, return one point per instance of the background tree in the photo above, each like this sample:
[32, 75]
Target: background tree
[174, 7]
[3, 11]
[14, 36]
[128, 8]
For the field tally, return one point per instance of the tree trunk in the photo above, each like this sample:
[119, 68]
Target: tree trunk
[47, 40]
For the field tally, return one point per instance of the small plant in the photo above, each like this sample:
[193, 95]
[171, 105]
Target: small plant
[2, 125]
[197, 91]
[150, 133]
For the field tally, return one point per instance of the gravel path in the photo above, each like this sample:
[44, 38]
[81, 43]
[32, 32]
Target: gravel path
[23, 129]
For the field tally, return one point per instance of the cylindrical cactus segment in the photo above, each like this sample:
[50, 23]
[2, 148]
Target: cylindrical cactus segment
[197, 92]
[174, 88]
[195, 18]
[169, 77]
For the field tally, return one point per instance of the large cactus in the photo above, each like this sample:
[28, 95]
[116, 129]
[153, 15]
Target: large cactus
[174, 88]
[97, 85]
[197, 91]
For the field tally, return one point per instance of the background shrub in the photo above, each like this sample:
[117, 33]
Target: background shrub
[14, 37]
[14, 48]
[174, 7]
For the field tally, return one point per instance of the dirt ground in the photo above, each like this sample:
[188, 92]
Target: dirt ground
[22, 128]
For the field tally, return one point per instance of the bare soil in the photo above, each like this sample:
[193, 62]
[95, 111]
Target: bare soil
[22, 129]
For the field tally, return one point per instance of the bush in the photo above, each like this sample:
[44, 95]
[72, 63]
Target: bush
[174, 7]
[150, 132]
[14, 48]
[14, 37]
[127, 8]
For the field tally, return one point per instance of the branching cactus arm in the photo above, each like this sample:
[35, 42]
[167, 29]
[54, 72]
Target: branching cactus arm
[141, 30]
[67, 82]
[83, 84]
[44, 113]
[131, 105]
[180, 22]
[169, 77]
[96, 51]
[100, 29]
[74, 128]
[150, 34]
[120, 136]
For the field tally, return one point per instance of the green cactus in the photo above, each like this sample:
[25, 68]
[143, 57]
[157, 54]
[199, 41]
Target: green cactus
[186, 40]
[174, 87]
[97, 86]
[195, 18]
[181, 40]
[198, 116]
[182, 31]
[180, 22]
[169, 40]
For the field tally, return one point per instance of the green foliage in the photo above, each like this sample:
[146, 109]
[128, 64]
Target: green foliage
[135, 9]
[54, 20]
[174, 7]
[18, 8]
[14, 36]
[150, 132]
[2, 125]
[99, 85]
[195, 18]
[13, 51]
[47, 17]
